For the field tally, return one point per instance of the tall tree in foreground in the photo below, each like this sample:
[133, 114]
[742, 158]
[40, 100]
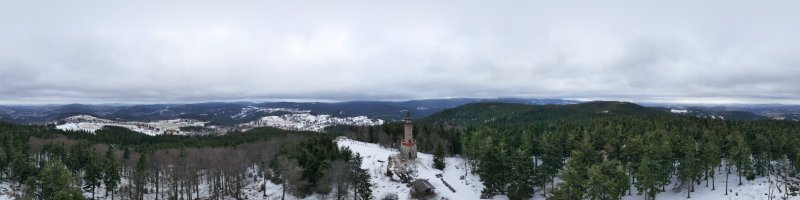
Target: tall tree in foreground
[655, 166]
[111, 177]
[140, 177]
[522, 175]
[689, 169]
[361, 181]
[55, 182]
[438, 158]
[93, 175]
[741, 157]
[607, 180]
[710, 155]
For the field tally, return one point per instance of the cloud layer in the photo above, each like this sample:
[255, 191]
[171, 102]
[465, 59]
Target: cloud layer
[189, 51]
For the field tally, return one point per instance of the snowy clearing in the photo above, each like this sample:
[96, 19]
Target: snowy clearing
[375, 158]
[309, 122]
[92, 124]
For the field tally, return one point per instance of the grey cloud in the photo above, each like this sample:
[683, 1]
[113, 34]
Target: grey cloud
[180, 51]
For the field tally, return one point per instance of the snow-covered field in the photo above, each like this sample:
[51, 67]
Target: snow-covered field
[309, 122]
[252, 110]
[92, 124]
[375, 158]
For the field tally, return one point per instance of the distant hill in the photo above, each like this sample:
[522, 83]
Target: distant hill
[512, 112]
[707, 112]
[226, 113]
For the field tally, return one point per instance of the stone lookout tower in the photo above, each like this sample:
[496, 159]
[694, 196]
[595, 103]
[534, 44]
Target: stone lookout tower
[408, 146]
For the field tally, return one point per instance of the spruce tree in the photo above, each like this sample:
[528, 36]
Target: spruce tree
[140, 176]
[521, 185]
[362, 184]
[111, 174]
[93, 172]
[710, 155]
[55, 182]
[689, 169]
[438, 158]
[492, 169]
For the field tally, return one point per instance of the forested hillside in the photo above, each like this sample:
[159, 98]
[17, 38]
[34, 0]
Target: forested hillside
[40, 162]
[604, 150]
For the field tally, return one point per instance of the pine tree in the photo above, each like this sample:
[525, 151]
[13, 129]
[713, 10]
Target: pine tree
[741, 157]
[111, 177]
[3, 161]
[573, 186]
[655, 166]
[438, 158]
[597, 183]
[631, 156]
[710, 157]
[521, 185]
[93, 175]
[70, 194]
[552, 157]
[607, 180]
[55, 182]
[362, 184]
[647, 177]
[618, 181]
[689, 169]
[492, 170]
[140, 177]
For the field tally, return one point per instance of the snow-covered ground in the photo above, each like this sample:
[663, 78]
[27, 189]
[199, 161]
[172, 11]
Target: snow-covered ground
[470, 189]
[375, 160]
[309, 122]
[92, 124]
[5, 191]
[252, 110]
[680, 111]
[755, 189]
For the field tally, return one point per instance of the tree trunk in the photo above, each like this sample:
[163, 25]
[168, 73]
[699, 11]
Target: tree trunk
[283, 195]
[197, 188]
[158, 184]
[739, 171]
[713, 183]
[727, 173]
[689, 190]
[633, 182]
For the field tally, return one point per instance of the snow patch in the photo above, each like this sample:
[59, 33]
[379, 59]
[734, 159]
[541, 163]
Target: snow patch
[309, 122]
[375, 160]
[679, 111]
[92, 124]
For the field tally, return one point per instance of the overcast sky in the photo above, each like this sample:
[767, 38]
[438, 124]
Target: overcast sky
[194, 51]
